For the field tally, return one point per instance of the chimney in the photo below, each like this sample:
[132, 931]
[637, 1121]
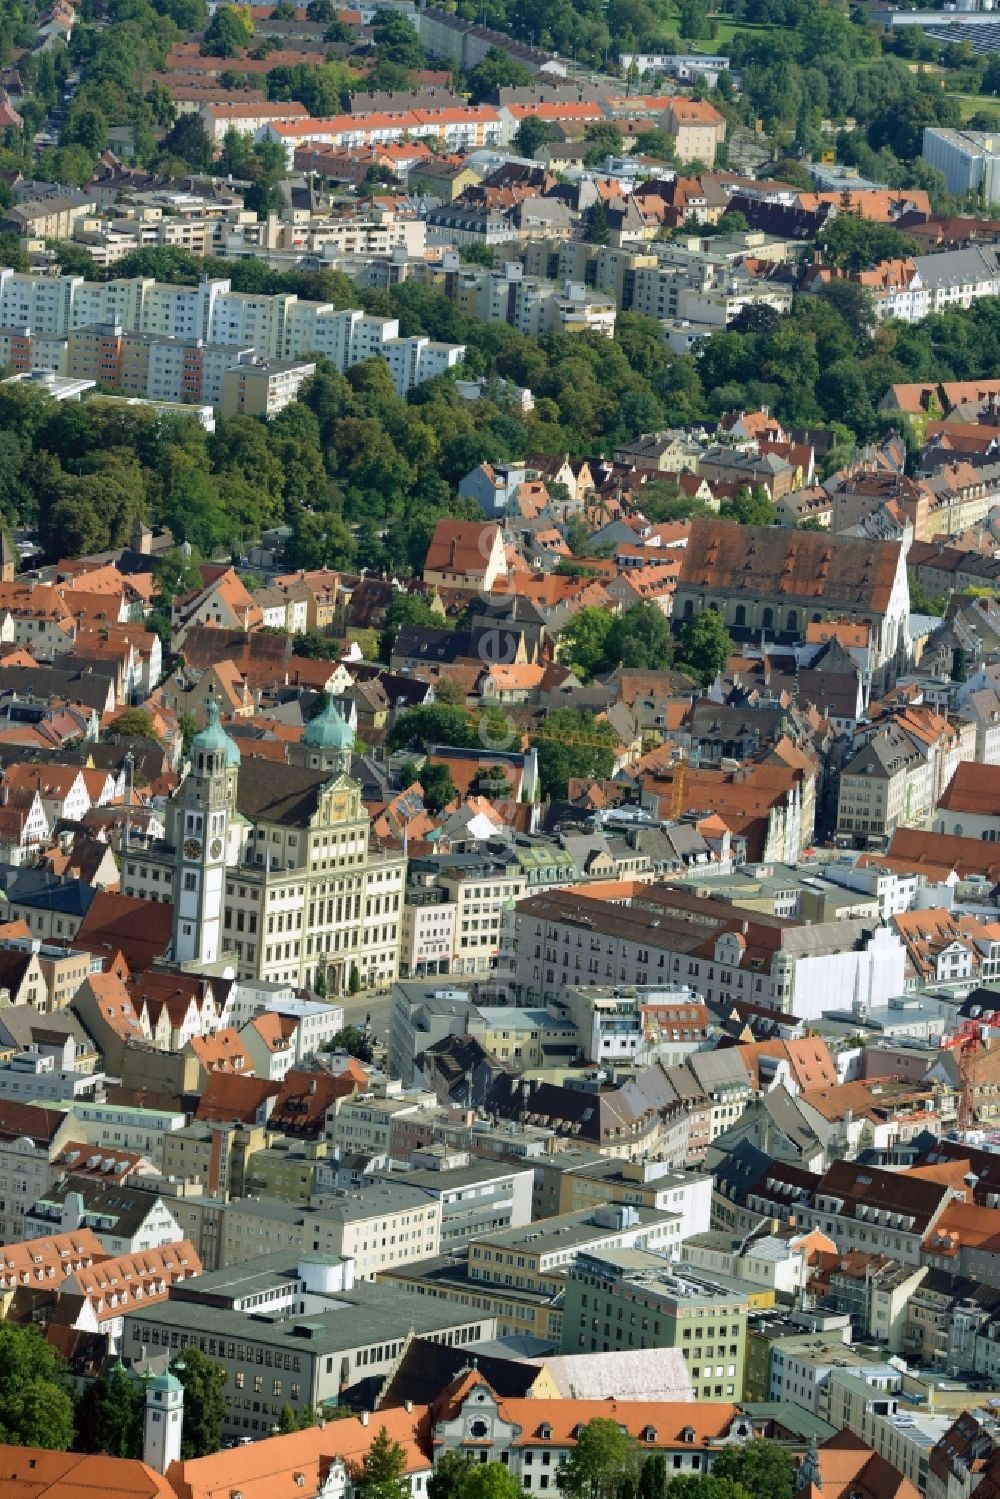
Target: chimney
[364, 1418]
[408, 1406]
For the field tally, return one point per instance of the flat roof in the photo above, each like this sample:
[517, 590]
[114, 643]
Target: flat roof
[684, 1283]
[386, 1313]
[429, 1179]
[569, 1230]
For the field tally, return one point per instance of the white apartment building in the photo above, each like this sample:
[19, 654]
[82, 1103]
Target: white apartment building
[427, 934]
[124, 1127]
[969, 159]
[363, 1123]
[384, 1225]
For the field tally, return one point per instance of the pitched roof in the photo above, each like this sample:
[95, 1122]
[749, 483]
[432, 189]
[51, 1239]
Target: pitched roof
[286, 1467]
[814, 567]
[973, 788]
[653, 1423]
[301, 1106]
[139, 929]
[914, 849]
[49, 1260]
[846, 1466]
[223, 1052]
[889, 1191]
[33, 1472]
[28, 1120]
[272, 792]
[460, 546]
[233, 1096]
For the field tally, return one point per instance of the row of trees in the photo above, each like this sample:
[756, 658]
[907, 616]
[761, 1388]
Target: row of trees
[362, 476]
[595, 641]
[38, 1408]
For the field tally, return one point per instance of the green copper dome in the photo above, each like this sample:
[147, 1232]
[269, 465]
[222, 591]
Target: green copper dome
[213, 739]
[329, 730]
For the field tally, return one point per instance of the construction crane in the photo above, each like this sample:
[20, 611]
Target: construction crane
[678, 781]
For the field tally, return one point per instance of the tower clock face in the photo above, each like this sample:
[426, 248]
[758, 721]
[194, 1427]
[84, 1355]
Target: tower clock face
[215, 848]
[192, 848]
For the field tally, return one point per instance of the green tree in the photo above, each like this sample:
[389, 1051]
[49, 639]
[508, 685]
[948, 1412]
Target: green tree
[131, 723]
[662, 500]
[188, 725]
[639, 638]
[110, 1413]
[317, 647]
[706, 1486]
[656, 143]
[922, 602]
[354, 1041]
[596, 230]
[959, 665]
[35, 1410]
[855, 244]
[749, 509]
[705, 647]
[604, 139]
[204, 1383]
[532, 133]
[383, 1469]
[583, 640]
[353, 980]
[694, 22]
[496, 70]
[189, 140]
[653, 1477]
[229, 32]
[439, 788]
[73, 259]
[177, 573]
[490, 1481]
[397, 40]
[407, 609]
[12, 255]
[761, 1467]
[603, 1460]
[572, 743]
[419, 728]
[449, 1474]
[86, 127]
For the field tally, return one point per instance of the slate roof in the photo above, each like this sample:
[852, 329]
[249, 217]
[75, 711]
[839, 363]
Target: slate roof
[271, 792]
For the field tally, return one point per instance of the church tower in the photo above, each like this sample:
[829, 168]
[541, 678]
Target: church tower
[329, 741]
[164, 1418]
[198, 829]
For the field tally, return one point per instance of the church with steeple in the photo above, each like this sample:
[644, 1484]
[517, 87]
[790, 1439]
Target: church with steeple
[270, 867]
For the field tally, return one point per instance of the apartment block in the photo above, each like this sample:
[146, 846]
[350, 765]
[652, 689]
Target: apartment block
[634, 1299]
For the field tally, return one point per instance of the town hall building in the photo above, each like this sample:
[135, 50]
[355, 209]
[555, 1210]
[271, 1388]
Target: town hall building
[271, 866]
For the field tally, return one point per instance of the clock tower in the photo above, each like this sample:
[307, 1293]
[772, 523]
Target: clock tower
[199, 826]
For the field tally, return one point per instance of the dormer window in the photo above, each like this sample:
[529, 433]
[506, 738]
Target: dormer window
[687, 1435]
[649, 1433]
[545, 1432]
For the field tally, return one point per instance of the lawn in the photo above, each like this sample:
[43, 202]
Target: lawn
[972, 104]
[727, 30]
